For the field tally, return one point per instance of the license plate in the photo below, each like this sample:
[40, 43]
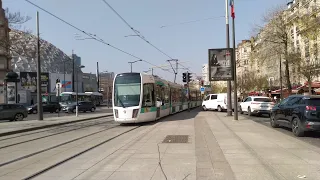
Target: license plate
[264, 106]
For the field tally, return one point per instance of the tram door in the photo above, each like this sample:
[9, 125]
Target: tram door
[158, 112]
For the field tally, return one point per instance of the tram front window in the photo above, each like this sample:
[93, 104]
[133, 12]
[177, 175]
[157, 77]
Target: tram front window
[127, 90]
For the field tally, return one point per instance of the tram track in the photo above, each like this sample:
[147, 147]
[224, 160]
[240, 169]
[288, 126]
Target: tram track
[57, 127]
[54, 134]
[55, 146]
[76, 155]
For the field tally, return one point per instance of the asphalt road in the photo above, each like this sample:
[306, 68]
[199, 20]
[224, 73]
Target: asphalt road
[310, 137]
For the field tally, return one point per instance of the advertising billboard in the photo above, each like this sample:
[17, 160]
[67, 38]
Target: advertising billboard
[29, 81]
[11, 93]
[65, 80]
[220, 64]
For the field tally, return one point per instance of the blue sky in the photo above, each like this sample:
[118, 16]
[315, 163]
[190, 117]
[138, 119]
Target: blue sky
[188, 42]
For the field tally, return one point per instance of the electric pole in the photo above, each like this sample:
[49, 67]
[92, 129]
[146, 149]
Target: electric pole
[229, 105]
[98, 77]
[235, 106]
[174, 70]
[73, 83]
[39, 98]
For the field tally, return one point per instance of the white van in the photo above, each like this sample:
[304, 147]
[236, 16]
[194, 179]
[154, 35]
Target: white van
[215, 102]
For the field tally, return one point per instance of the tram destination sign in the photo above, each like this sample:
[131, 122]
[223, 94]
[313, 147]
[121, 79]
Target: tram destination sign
[220, 64]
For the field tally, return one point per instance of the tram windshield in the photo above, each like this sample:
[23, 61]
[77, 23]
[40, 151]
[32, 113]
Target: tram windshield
[127, 90]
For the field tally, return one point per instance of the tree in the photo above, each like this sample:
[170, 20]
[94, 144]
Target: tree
[308, 24]
[274, 41]
[216, 88]
[15, 21]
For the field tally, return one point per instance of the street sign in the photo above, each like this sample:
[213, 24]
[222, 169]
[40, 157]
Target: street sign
[58, 87]
[220, 64]
[202, 89]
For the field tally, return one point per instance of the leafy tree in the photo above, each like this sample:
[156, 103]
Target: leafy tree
[308, 24]
[273, 41]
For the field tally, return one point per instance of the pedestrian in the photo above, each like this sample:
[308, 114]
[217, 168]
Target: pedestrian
[32, 101]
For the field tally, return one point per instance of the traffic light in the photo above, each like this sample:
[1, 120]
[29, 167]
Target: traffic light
[184, 77]
[202, 82]
[189, 77]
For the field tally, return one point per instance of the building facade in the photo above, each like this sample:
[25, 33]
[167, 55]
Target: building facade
[4, 52]
[302, 46]
[106, 85]
[89, 82]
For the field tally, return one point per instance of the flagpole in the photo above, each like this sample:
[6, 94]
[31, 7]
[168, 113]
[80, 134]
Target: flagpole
[229, 109]
[234, 65]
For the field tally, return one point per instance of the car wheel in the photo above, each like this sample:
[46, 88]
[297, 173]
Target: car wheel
[273, 122]
[219, 109]
[296, 127]
[249, 111]
[241, 112]
[34, 111]
[74, 110]
[204, 108]
[57, 110]
[93, 109]
[18, 117]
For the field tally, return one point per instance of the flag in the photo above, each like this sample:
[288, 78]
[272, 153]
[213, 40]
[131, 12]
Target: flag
[232, 9]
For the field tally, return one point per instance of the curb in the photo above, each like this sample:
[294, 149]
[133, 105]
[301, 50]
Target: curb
[50, 125]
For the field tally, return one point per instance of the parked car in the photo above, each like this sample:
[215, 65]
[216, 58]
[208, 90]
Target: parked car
[298, 112]
[13, 112]
[46, 107]
[256, 105]
[83, 106]
[215, 102]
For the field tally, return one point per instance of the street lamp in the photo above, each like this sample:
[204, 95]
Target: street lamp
[77, 104]
[134, 62]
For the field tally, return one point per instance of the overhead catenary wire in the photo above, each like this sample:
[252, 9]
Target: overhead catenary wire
[139, 34]
[93, 36]
[187, 22]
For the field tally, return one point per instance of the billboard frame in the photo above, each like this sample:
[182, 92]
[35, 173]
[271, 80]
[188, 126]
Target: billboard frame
[231, 67]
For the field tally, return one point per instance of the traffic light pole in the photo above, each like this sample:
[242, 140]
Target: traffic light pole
[188, 91]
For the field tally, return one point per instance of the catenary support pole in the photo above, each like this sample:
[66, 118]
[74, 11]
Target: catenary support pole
[235, 106]
[39, 98]
[229, 105]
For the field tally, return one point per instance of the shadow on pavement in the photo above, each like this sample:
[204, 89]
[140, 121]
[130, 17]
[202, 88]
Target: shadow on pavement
[185, 115]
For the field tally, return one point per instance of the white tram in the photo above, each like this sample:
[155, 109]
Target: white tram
[141, 98]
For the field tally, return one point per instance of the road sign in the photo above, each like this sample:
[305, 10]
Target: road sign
[202, 89]
[58, 87]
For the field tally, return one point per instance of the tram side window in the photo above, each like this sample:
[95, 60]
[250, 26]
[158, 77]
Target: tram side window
[148, 95]
[166, 94]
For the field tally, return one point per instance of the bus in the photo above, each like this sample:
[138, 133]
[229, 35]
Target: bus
[94, 97]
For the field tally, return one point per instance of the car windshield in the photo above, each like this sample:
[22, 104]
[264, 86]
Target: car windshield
[262, 99]
[127, 90]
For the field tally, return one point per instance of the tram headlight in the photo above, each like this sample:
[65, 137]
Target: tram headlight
[135, 113]
[116, 113]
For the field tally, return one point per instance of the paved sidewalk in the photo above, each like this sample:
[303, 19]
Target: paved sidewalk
[218, 148]
[7, 128]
